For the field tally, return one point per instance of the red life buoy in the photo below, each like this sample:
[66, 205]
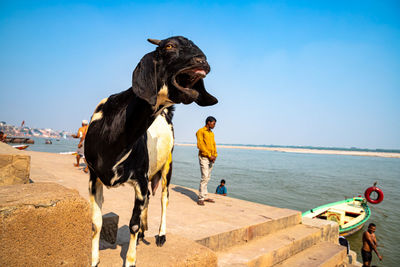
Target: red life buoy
[368, 193]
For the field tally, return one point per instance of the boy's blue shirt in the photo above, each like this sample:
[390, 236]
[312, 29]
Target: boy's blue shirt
[221, 190]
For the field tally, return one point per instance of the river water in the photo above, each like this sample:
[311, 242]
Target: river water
[295, 181]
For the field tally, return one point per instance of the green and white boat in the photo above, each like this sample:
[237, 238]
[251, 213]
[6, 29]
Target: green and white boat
[351, 214]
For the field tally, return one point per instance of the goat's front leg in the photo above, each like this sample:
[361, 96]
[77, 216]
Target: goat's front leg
[141, 199]
[96, 201]
[166, 178]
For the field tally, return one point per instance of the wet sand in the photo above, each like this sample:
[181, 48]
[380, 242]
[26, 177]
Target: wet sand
[311, 151]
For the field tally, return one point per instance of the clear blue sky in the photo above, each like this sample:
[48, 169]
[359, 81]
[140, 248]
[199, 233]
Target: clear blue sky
[320, 73]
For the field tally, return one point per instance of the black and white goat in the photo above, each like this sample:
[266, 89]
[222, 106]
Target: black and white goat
[116, 146]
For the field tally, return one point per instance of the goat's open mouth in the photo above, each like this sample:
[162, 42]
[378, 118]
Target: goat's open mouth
[187, 80]
[189, 86]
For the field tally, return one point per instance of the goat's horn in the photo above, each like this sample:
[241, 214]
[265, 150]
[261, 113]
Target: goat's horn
[154, 41]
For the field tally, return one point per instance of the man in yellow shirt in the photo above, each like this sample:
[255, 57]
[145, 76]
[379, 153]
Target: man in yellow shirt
[207, 156]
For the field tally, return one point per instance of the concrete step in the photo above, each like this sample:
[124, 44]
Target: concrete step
[271, 249]
[324, 254]
[330, 230]
[352, 260]
[278, 219]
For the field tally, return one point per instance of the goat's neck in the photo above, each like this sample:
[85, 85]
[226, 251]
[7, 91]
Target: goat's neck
[139, 116]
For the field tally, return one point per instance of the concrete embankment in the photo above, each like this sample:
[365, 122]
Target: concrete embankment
[230, 232]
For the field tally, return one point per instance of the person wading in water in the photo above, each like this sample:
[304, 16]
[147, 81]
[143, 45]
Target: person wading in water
[369, 244]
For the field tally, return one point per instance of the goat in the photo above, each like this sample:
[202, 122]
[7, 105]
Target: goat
[116, 144]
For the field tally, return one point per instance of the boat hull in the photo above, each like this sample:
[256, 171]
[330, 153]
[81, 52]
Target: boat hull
[351, 214]
[21, 147]
[344, 232]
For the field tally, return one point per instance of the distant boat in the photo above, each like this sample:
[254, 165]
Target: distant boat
[19, 140]
[21, 147]
[48, 142]
[351, 214]
[68, 153]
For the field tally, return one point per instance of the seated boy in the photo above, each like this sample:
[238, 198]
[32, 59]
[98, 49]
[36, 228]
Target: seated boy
[221, 189]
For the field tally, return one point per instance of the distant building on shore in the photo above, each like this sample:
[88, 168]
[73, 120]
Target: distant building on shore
[12, 130]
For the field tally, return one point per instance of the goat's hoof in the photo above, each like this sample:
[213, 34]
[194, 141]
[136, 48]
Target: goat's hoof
[160, 240]
[140, 237]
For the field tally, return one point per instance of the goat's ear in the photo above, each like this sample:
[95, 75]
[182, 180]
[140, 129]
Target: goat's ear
[144, 83]
[204, 98]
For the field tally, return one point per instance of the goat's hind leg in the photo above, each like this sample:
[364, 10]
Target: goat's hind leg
[166, 178]
[96, 201]
[141, 199]
[143, 221]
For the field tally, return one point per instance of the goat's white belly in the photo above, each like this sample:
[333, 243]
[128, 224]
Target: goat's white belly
[160, 141]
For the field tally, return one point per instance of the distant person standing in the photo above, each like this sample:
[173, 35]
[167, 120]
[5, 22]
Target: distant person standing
[369, 244]
[81, 146]
[221, 189]
[207, 156]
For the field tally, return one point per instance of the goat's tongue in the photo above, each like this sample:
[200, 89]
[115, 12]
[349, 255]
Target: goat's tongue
[201, 72]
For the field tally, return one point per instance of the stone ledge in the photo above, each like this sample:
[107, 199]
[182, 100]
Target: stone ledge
[43, 224]
[14, 165]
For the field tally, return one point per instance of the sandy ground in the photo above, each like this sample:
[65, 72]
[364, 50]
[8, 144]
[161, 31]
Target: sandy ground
[311, 151]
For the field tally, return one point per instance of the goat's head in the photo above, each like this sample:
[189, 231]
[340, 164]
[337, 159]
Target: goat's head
[178, 64]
